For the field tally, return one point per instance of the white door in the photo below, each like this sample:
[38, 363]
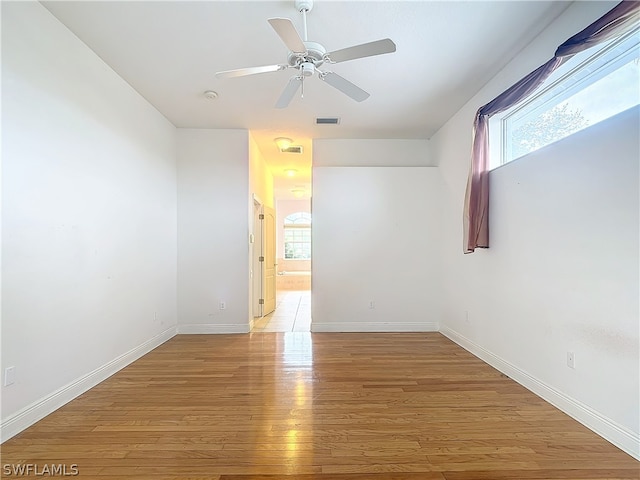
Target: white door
[269, 260]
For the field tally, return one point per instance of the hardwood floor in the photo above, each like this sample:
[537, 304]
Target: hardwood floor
[320, 406]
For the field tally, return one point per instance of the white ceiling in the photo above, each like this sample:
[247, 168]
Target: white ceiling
[169, 52]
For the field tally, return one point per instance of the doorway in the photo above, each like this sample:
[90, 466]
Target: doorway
[293, 269]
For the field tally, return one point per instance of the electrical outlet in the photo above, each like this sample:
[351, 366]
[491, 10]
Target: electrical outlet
[372, 304]
[571, 360]
[9, 376]
[223, 305]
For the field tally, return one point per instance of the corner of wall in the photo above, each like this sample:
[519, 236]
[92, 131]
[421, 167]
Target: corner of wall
[36, 411]
[620, 436]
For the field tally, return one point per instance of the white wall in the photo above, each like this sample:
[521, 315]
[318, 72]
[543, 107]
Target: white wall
[562, 271]
[260, 177]
[378, 152]
[89, 218]
[213, 232]
[376, 237]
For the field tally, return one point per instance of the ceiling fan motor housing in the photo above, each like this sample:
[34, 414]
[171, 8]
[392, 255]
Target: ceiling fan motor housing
[315, 55]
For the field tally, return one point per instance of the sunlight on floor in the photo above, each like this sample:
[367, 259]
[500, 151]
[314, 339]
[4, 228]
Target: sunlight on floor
[292, 313]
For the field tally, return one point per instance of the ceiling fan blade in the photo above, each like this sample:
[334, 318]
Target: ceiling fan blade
[288, 93]
[288, 33]
[241, 72]
[364, 50]
[345, 86]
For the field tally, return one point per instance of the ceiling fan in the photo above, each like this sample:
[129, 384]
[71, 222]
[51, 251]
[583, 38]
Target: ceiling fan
[306, 57]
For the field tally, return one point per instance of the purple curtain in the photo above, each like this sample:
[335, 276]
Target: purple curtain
[621, 18]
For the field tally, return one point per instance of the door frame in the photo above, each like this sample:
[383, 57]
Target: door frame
[256, 265]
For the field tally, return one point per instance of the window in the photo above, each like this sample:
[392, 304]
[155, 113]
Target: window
[589, 88]
[297, 236]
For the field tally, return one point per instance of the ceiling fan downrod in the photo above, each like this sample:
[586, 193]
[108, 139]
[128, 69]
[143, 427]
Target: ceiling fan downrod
[304, 6]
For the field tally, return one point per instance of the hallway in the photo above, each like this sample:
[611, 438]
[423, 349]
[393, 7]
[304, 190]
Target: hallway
[292, 313]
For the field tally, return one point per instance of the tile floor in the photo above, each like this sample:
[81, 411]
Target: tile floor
[292, 313]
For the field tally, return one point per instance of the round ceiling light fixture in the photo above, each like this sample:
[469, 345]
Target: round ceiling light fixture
[291, 172]
[298, 192]
[283, 142]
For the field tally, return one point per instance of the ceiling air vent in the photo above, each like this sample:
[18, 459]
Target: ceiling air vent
[327, 121]
[292, 149]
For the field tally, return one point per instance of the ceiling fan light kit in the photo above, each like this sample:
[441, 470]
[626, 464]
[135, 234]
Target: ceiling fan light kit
[306, 57]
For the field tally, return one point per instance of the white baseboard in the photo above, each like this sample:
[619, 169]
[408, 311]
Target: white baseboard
[212, 328]
[371, 327]
[29, 415]
[620, 436]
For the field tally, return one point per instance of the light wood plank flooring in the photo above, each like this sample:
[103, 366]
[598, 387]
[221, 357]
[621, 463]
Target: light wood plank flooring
[268, 406]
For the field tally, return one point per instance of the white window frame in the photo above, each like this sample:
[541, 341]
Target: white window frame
[579, 72]
[296, 226]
